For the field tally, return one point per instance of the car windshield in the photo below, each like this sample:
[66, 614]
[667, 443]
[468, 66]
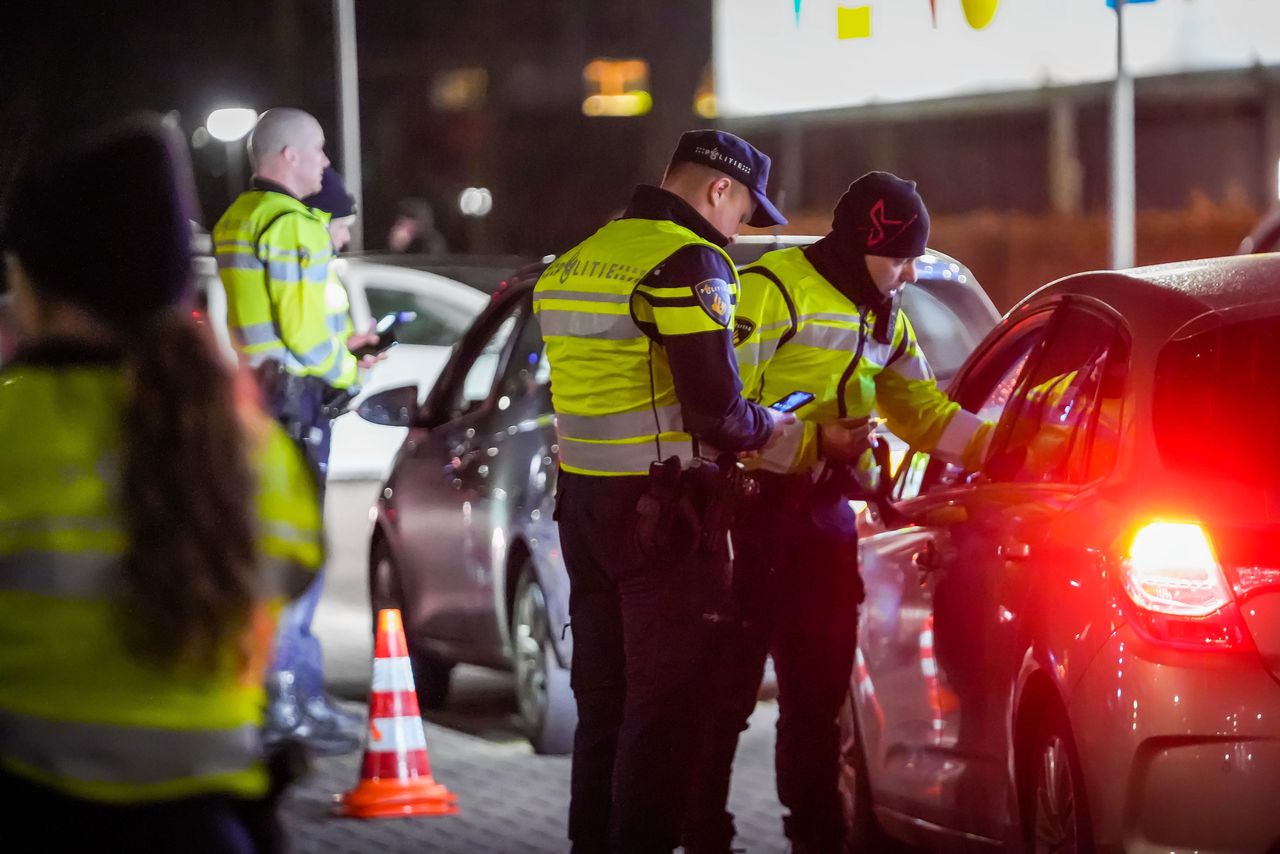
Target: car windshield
[949, 321]
[1215, 406]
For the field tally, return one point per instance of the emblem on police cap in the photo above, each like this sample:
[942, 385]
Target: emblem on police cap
[715, 298]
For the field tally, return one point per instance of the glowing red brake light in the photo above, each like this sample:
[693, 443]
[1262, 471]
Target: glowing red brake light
[1172, 570]
[1173, 575]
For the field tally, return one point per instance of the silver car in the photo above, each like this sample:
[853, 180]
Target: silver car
[1077, 647]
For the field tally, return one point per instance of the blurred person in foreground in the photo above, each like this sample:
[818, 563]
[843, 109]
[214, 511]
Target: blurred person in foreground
[151, 522]
[273, 254]
[414, 231]
[638, 322]
[822, 318]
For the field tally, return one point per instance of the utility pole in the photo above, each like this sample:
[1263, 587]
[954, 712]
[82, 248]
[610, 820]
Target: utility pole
[1123, 185]
[344, 33]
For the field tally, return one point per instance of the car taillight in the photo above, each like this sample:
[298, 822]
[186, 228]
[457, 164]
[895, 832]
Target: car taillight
[1173, 575]
[1172, 570]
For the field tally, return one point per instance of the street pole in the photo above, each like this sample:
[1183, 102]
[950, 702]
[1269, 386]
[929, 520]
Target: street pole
[1123, 189]
[235, 167]
[344, 31]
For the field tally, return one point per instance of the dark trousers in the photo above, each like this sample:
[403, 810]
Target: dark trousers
[203, 824]
[297, 649]
[640, 641]
[797, 588]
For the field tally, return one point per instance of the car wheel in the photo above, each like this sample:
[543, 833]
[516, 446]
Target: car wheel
[1056, 813]
[547, 708]
[431, 674]
[862, 830]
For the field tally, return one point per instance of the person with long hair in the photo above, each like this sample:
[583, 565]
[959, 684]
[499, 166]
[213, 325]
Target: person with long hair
[152, 521]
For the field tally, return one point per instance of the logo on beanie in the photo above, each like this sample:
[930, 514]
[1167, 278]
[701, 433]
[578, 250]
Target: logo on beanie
[879, 233]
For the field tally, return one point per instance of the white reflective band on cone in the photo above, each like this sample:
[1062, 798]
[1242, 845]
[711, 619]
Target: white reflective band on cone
[391, 734]
[392, 674]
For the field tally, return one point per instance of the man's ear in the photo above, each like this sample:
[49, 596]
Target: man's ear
[290, 155]
[720, 190]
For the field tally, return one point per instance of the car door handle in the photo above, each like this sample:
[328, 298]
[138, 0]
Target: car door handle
[1014, 550]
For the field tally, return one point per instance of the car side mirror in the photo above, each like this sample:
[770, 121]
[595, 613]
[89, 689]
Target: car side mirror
[394, 407]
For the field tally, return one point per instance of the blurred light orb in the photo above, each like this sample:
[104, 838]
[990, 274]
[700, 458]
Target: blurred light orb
[979, 12]
[230, 123]
[475, 201]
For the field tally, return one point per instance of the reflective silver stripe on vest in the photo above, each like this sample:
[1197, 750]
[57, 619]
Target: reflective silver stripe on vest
[584, 296]
[89, 575]
[957, 435]
[102, 753]
[587, 324]
[827, 338]
[59, 525]
[66, 576]
[627, 458]
[239, 261]
[913, 367]
[254, 334]
[621, 425]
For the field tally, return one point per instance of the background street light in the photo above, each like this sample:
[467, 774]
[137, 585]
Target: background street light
[230, 125]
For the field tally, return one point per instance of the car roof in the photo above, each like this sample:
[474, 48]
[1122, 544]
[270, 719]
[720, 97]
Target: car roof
[1176, 291]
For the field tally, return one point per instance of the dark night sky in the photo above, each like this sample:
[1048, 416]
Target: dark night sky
[66, 67]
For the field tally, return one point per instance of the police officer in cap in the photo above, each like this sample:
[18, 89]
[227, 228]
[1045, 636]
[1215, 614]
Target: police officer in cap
[822, 319]
[638, 323]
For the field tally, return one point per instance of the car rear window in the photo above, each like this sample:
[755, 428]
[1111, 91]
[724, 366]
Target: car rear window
[1216, 402]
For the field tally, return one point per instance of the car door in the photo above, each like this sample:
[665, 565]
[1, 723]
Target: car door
[523, 466]
[443, 486]
[445, 309]
[900, 699]
[981, 549]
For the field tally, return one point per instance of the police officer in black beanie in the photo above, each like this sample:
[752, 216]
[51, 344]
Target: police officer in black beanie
[820, 319]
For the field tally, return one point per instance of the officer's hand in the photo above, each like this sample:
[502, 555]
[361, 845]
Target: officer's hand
[363, 339]
[780, 420]
[846, 439]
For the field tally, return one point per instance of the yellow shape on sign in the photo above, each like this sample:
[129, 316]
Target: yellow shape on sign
[979, 12]
[853, 23]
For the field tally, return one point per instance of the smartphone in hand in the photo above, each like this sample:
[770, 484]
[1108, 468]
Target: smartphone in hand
[792, 401]
[386, 331]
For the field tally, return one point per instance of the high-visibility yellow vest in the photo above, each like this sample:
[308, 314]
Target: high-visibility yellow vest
[611, 386]
[800, 333]
[78, 711]
[273, 256]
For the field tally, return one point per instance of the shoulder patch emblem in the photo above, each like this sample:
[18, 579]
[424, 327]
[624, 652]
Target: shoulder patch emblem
[742, 329]
[716, 299]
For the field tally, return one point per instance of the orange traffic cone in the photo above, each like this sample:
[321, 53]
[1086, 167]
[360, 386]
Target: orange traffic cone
[395, 779]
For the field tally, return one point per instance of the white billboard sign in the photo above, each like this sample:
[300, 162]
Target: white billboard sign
[783, 56]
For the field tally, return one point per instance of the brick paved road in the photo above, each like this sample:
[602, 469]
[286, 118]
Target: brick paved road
[511, 800]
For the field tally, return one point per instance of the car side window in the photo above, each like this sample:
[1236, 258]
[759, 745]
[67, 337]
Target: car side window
[987, 392]
[527, 368]
[479, 381]
[439, 322]
[1050, 433]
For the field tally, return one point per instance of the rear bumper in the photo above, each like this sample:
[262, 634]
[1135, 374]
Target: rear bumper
[1179, 751]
